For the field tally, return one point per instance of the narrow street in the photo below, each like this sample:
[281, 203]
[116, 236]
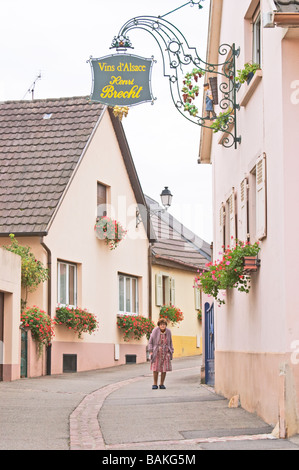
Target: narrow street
[116, 409]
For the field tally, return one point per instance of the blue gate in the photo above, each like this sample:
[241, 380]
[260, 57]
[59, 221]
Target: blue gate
[209, 344]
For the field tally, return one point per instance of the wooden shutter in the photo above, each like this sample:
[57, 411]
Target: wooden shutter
[159, 290]
[172, 291]
[221, 225]
[261, 208]
[232, 217]
[101, 200]
[243, 217]
[197, 297]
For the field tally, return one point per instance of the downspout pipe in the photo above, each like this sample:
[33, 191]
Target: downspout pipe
[49, 308]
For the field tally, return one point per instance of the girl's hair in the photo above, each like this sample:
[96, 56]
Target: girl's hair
[162, 320]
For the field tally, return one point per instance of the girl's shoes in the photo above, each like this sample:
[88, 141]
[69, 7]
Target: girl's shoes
[154, 387]
[162, 386]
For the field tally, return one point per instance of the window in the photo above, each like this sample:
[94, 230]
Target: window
[101, 200]
[165, 290]
[256, 37]
[128, 294]
[67, 283]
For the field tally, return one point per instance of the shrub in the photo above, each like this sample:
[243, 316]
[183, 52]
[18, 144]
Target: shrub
[32, 270]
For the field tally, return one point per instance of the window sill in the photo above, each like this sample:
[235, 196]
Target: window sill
[123, 314]
[250, 89]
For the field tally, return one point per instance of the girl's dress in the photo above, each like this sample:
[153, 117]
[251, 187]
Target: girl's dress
[162, 362]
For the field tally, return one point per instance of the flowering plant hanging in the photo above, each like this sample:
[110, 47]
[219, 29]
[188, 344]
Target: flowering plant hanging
[74, 318]
[229, 272]
[40, 325]
[173, 314]
[135, 326]
[109, 230]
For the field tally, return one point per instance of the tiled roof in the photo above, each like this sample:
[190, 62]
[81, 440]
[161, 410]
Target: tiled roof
[287, 6]
[175, 243]
[41, 142]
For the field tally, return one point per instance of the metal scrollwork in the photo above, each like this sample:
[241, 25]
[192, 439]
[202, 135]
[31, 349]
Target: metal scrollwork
[177, 56]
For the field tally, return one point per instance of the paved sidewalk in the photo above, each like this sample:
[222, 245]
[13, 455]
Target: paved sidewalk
[116, 409]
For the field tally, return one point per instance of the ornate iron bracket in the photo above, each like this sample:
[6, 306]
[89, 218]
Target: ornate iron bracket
[182, 65]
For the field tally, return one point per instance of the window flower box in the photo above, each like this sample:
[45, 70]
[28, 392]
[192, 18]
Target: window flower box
[76, 319]
[135, 326]
[109, 230]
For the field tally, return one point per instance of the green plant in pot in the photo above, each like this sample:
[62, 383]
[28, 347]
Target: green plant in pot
[247, 72]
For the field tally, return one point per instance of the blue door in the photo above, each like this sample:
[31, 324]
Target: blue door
[209, 344]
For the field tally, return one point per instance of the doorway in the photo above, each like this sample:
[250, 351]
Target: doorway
[209, 344]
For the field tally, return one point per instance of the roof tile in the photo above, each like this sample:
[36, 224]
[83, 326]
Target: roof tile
[287, 6]
[175, 243]
[38, 156]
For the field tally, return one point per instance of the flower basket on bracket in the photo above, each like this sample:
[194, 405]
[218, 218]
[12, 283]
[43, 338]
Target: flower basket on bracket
[251, 263]
[232, 271]
[109, 230]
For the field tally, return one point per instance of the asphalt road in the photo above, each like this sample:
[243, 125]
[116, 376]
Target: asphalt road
[115, 409]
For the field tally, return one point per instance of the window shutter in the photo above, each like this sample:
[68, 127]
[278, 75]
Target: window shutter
[243, 228]
[172, 291]
[197, 298]
[261, 211]
[101, 200]
[232, 217]
[221, 225]
[159, 290]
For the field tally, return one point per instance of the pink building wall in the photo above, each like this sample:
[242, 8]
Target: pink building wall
[256, 332]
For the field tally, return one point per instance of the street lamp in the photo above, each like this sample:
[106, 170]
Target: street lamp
[166, 198]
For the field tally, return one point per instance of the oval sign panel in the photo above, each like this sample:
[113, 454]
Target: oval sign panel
[121, 80]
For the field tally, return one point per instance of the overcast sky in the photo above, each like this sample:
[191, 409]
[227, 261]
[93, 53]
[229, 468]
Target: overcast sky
[56, 38]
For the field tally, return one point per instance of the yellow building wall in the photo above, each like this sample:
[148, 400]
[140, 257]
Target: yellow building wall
[187, 346]
[187, 335]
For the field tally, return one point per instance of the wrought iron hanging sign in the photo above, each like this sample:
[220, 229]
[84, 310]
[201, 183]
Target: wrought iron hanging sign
[121, 80]
[189, 76]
